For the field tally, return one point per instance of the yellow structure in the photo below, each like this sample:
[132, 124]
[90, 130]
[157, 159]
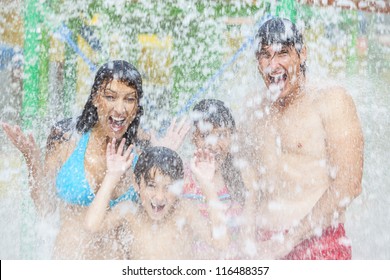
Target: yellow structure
[84, 75]
[155, 59]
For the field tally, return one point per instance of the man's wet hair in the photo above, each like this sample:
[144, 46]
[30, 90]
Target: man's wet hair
[124, 72]
[280, 31]
[167, 161]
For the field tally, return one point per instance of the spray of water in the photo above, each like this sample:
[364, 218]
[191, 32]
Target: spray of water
[186, 49]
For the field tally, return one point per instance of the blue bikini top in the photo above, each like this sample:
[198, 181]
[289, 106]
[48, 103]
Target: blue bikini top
[71, 182]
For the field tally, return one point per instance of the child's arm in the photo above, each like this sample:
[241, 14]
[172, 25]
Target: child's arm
[203, 167]
[98, 218]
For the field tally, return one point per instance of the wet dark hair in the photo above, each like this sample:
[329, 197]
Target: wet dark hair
[215, 112]
[280, 31]
[167, 161]
[124, 72]
[59, 132]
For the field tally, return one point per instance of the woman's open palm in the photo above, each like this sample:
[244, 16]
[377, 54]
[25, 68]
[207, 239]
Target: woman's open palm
[118, 160]
[25, 143]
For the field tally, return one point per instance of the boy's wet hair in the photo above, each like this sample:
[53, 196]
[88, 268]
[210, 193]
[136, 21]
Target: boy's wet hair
[124, 72]
[167, 161]
[215, 112]
[280, 31]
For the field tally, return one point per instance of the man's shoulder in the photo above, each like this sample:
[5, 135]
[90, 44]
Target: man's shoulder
[332, 99]
[327, 93]
[336, 91]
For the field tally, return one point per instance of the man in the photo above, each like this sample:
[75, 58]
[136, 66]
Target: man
[306, 146]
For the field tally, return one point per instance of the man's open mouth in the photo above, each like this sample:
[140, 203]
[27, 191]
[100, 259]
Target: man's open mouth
[276, 79]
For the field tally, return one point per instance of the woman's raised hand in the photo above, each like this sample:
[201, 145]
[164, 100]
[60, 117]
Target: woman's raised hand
[118, 159]
[25, 143]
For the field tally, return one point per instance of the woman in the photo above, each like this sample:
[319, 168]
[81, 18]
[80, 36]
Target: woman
[75, 160]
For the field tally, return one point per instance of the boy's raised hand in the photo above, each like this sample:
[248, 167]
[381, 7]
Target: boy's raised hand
[118, 159]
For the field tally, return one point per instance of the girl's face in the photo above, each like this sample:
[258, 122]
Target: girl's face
[116, 105]
[215, 139]
[158, 195]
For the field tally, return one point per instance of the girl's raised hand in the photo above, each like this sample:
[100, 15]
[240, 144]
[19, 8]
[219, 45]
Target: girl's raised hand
[203, 166]
[118, 159]
[174, 137]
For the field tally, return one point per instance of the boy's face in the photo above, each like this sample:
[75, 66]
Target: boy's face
[159, 195]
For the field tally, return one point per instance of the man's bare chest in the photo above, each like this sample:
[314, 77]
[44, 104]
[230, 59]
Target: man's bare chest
[298, 133]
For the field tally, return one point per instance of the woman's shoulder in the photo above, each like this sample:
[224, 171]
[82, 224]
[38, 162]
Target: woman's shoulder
[62, 140]
[61, 132]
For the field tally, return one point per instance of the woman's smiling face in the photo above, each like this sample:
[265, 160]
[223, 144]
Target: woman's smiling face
[116, 105]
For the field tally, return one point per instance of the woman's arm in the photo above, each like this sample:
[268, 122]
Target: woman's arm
[41, 174]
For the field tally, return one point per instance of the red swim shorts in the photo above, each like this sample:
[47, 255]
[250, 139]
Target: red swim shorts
[331, 245]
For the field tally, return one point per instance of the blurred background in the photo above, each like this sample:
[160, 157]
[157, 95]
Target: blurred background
[185, 51]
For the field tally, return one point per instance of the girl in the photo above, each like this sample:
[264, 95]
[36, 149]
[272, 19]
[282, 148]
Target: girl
[214, 127]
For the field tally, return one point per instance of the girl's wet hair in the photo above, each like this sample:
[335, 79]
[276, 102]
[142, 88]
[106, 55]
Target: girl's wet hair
[280, 31]
[124, 72]
[167, 161]
[215, 112]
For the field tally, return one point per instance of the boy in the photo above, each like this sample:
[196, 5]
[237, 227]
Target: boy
[162, 225]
